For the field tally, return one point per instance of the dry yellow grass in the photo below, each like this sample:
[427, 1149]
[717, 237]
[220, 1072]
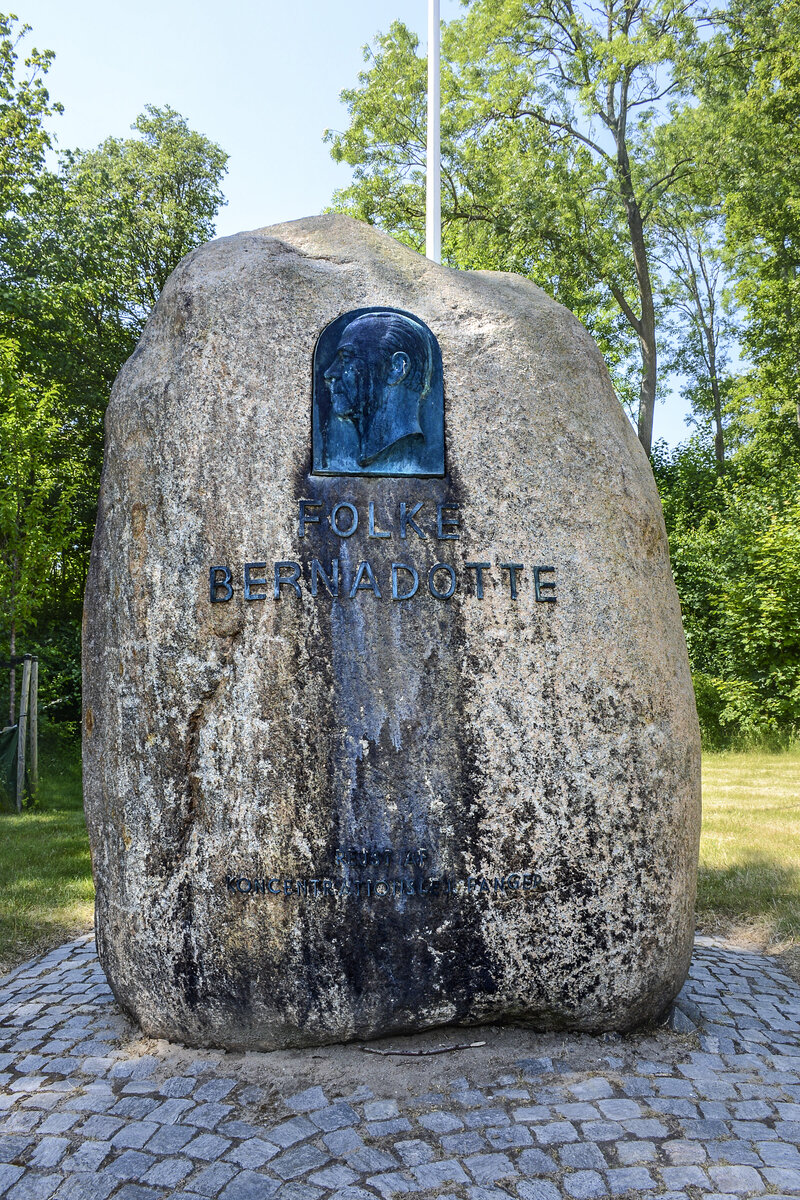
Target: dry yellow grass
[749, 887]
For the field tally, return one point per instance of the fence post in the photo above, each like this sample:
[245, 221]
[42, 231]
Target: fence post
[34, 725]
[23, 728]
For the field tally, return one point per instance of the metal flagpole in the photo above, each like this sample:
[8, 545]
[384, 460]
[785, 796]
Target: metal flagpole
[433, 188]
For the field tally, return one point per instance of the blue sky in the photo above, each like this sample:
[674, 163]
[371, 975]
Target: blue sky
[262, 79]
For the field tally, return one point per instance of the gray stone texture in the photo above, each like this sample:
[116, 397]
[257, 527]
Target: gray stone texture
[505, 736]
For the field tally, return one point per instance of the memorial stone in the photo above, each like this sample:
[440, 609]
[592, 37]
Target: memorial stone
[388, 715]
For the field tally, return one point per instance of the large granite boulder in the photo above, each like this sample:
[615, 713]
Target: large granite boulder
[330, 800]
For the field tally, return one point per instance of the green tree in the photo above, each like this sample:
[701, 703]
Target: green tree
[548, 153]
[84, 251]
[134, 207]
[37, 482]
[748, 80]
[101, 236]
[694, 290]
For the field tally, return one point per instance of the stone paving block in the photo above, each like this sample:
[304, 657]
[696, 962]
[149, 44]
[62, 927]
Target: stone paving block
[585, 1185]
[335, 1176]
[778, 1154]
[432, 1174]
[469, 1142]
[343, 1141]
[247, 1185]
[49, 1152]
[380, 1129]
[481, 1193]
[536, 1162]
[143, 1087]
[59, 1122]
[674, 1087]
[298, 1161]
[681, 1153]
[752, 1110]
[786, 1179]
[674, 1107]
[488, 1168]
[737, 1180]
[555, 1133]
[480, 1117]
[514, 1137]
[178, 1087]
[252, 1153]
[87, 1157]
[714, 1110]
[602, 1131]
[733, 1151]
[384, 1110]
[171, 1110]
[207, 1146]
[678, 1178]
[45, 1100]
[298, 1191]
[206, 1116]
[579, 1111]
[335, 1116]
[438, 1121]
[353, 1193]
[750, 1130]
[99, 1126]
[620, 1110]
[213, 1179]
[592, 1089]
[705, 1130]
[393, 1183]
[290, 1132]
[134, 1135]
[168, 1139]
[131, 1164]
[86, 1186]
[538, 1189]
[214, 1090]
[12, 1146]
[629, 1179]
[134, 1191]
[9, 1174]
[169, 1172]
[414, 1152]
[532, 1112]
[630, 1153]
[239, 1129]
[583, 1155]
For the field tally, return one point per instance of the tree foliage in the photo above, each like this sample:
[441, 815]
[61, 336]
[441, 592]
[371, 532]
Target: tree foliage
[85, 249]
[550, 163]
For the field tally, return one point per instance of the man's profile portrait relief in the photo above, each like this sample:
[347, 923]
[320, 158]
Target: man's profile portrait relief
[378, 406]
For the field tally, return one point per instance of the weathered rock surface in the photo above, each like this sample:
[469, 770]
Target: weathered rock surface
[523, 771]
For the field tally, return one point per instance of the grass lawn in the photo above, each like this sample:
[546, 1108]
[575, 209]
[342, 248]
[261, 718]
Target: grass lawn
[749, 888]
[46, 891]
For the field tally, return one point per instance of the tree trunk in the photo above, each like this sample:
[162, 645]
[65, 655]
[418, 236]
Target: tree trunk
[647, 391]
[646, 329]
[719, 435]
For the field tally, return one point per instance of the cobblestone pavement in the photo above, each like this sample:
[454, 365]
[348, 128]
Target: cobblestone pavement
[708, 1107]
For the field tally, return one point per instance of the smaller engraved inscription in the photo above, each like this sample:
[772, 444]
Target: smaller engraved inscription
[378, 403]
